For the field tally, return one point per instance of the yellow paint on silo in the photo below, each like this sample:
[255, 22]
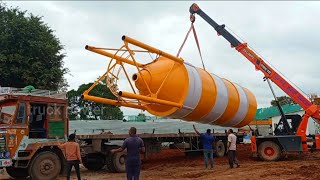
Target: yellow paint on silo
[252, 109]
[173, 89]
[208, 96]
[233, 103]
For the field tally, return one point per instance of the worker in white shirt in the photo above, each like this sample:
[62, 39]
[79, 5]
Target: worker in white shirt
[232, 147]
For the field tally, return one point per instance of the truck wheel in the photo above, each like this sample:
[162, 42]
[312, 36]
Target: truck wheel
[116, 162]
[269, 151]
[17, 172]
[45, 166]
[220, 149]
[94, 162]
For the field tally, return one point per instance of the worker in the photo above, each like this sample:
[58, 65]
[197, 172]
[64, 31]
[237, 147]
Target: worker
[232, 147]
[72, 154]
[207, 140]
[134, 146]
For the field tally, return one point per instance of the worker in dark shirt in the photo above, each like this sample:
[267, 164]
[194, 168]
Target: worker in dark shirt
[134, 146]
[207, 141]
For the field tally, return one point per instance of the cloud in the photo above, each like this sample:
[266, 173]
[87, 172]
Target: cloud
[285, 33]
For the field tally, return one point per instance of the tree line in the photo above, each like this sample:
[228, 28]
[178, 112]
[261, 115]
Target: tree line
[30, 54]
[29, 51]
[80, 109]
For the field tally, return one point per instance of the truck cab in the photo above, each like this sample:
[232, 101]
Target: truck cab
[30, 120]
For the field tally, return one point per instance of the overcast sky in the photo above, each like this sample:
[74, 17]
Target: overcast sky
[286, 34]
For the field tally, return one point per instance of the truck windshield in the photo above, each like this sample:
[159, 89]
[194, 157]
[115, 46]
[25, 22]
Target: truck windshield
[6, 113]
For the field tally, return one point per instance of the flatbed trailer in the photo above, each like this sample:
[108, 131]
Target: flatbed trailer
[95, 149]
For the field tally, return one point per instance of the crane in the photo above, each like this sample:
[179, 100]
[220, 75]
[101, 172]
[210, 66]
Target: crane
[289, 138]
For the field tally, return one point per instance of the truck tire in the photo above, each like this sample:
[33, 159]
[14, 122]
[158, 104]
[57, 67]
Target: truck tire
[94, 162]
[17, 172]
[116, 162]
[45, 166]
[220, 149]
[269, 151]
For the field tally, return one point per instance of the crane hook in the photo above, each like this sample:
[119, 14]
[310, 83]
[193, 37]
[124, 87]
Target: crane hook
[192, 18]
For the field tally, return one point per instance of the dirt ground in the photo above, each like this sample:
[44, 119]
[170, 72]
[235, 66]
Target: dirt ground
[173, 164]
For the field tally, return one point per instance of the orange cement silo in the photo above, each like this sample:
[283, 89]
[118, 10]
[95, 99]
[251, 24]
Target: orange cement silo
[206, 97]
[168, 86]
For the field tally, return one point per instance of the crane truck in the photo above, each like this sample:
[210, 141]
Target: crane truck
[290, 133]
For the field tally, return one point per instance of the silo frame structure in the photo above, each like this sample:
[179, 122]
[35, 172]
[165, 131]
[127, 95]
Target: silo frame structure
[169, 86]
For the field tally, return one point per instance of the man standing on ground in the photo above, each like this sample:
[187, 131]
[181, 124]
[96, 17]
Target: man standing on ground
[72, 154]
[134, 146]
[207, 141]
[232, 147]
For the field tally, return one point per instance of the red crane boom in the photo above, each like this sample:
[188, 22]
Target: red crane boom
[311, 110]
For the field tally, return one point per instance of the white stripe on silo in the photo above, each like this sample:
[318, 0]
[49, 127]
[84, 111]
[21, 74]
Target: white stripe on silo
[242, 110]
[221, 101]
[194, 92]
